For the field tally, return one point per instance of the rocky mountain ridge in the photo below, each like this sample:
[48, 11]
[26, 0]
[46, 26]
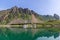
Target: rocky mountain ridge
[15, 12]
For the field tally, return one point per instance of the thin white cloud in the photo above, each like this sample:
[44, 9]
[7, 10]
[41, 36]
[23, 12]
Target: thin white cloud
[55, 6]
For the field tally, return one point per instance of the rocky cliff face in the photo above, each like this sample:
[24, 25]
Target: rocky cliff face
[6, 16]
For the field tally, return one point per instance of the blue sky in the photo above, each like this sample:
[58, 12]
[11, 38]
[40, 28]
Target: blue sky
[43, 7]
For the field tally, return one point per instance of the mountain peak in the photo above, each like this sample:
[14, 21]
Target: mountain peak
[15, 7]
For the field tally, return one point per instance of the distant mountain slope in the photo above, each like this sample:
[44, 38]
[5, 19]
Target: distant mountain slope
[6, 16]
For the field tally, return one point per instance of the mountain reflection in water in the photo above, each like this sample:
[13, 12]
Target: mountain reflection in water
[27, 34]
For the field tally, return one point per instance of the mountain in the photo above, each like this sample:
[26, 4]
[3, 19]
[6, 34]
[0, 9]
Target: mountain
[56, 16]
[15, 14]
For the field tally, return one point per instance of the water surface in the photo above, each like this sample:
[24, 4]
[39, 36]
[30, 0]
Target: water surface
[29, 34]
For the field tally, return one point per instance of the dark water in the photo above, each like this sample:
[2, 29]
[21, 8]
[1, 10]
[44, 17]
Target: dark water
[29, 34]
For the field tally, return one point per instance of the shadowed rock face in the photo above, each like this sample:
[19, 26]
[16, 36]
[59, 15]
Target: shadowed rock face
[56, 16]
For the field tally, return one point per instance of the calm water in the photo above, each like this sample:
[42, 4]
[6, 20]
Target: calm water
[29, 34]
